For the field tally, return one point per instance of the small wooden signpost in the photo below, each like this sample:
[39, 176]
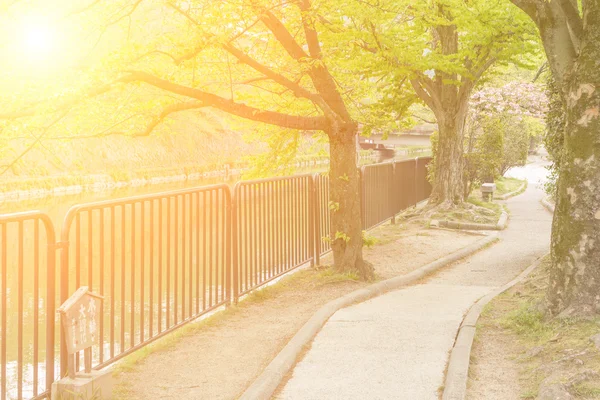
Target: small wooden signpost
[80, 320]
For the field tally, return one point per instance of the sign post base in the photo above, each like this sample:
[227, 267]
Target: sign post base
[92, 385]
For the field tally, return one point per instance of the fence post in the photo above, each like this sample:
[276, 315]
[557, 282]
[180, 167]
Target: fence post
[392, 192]
[316, 223]
[361, 196]
[311, 219]
[416, 181]
[50, 303]
[234, 242]
[64, 294]
[228, 246]
[427, 184]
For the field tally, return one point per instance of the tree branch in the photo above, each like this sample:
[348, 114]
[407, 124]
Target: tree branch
[35, 142]
[560, 42]
[29, 112]
[221, 103]
[312, 39]
[422, 93]
[530, 7]
[468, 83]
[428, 85]
[540, 71]
[191, 54]
[573, 19]
[423, 119]
[298, 90]
[82, 9]
[319, 74]
[106, 132]
[283, 36]
[168, 110]
[134, 7]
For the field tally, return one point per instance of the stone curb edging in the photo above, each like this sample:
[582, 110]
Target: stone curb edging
[547, 204]
[455, 385]
[512, 194]
[269, 380]
[457, 375]
[500, 225]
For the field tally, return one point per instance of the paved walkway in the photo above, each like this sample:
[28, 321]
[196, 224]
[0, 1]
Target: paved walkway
[396, 346]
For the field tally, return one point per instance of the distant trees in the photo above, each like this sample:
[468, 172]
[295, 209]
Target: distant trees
[502, 124]
[436, 52]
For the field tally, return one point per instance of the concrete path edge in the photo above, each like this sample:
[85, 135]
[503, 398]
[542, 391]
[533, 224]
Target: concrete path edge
[269, 380]
[457, 375]
[546, 202]
[512, 194]
[455, 385]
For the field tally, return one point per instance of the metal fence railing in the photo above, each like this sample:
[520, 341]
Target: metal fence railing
[423, 187]
[389, 188]
[377, 194]
[322, 216]
[404, 185]
[162, 260]
[273, 229]
[159, 261]
[27, 305]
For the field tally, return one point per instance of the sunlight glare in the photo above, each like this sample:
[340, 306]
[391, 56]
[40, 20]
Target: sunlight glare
[37, 38]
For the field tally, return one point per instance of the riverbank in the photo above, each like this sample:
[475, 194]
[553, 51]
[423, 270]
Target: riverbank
[17, 190]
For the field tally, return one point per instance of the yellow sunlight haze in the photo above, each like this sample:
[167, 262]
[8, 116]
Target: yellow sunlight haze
[36, 37]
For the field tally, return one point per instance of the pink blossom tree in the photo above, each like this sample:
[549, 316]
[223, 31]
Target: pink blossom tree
[503, 124]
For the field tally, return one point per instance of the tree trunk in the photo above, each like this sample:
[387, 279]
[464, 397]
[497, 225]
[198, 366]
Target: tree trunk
[575, 276]
[344, 195]
[448, 183]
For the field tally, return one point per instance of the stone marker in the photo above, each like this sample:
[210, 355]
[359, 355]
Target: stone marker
[80, 319]
[487, 191]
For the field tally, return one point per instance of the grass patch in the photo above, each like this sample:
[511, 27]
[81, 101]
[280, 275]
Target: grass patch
[503, 186]
[544, 347]
[587, 390]
[509, 185]
[496, 208]
[266, 293]
[330, 275]
[527, 322]
[530, 394]
[475, 211]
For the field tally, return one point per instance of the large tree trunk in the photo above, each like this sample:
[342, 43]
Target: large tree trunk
[448, 182]
[449, 102]
[344, 194]
[575, 276]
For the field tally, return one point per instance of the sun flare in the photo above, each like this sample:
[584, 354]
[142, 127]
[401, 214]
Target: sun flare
[37, 38]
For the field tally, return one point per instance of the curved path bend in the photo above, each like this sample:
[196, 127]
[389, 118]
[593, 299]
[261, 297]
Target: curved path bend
[396, 346]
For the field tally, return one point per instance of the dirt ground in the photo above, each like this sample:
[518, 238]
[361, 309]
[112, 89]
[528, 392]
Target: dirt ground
[493, 374]
[519, 353]
[224, 354]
